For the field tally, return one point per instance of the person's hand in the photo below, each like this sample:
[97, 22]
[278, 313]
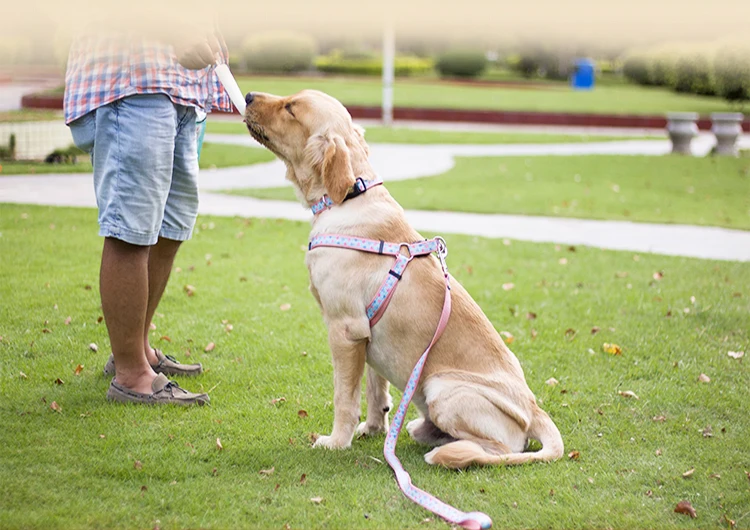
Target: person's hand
[198, 52]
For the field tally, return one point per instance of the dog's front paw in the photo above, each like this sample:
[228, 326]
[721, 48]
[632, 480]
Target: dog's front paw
[329, 442]
[365, 429]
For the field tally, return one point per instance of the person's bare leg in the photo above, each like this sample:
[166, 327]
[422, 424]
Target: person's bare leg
[160, 259]
[123, 284]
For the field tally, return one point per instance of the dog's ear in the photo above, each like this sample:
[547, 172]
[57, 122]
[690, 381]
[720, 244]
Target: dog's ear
[331, 155]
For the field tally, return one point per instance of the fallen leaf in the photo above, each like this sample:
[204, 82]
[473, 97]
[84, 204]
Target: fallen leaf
[736, 354]
[267, 472]
[570, 333]
[551, 381]
[649, 493]
[316, 500]
[688, 473]
[574, 455]
[59, 381]
[78, 369]
[686, 508]
[137, 465]
[46, 330]
[730, 522]
[278, 400]
[507, 337]
[591, 480]
[152, 326]
[93, 347]
[189, 290]
[629, 394]
[144, 488]
[715, 476]
[303, 478]
[22, 375]
[54, 406]
[209, 347]
[703, 378]
[658, 452]
[595, 330]
[87, 287]
[102, 436]
[215, 472]
[68, 321]
[302, 413]
[285, 307]
[313, 436]
[707, 432]
[218, 444]
[660, 419]
[100, 319]
[228, 328]
[166, 338]
[612, 349]
[658, 275]
[534, 333]
[303, 354]
[508, 286]
[530, 316]
[563, 261]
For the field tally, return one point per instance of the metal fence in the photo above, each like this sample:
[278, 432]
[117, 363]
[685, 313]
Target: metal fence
[35, 140]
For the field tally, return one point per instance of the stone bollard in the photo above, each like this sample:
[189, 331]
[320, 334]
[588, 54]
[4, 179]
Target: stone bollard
[727, 127]
[682, 129]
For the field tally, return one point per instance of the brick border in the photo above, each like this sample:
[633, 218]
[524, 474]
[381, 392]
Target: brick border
[38, 101]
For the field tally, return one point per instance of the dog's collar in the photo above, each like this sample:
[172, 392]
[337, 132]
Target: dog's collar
[360, 186]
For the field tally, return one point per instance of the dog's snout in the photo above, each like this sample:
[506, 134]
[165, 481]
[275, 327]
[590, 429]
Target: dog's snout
[249, 98]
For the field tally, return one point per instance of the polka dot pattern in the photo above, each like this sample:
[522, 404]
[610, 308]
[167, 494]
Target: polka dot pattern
[326, 203]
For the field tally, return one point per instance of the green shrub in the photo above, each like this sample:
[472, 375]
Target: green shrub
[461, 63]
[338, 63]
[660, 65]
[542, 62]
[692, 73]
[732, 72]
[635, 68]
[279, 52]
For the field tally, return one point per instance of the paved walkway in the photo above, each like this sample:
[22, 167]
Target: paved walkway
[398, 162]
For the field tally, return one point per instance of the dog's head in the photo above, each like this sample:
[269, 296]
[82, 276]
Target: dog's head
[314, 135]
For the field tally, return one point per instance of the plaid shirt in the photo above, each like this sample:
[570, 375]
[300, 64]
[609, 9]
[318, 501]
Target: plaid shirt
[104, 69]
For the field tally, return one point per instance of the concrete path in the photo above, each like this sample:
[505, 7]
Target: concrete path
[397, 162]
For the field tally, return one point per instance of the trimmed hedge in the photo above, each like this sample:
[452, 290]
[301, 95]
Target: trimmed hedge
[338, 63]
[711, 69]
[461, 63]
[279, 52]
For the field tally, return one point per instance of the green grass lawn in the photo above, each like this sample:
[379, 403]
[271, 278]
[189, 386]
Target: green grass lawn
[669, 189]
[403, 135]
[625, 99]
[212, 156]
[77, 468]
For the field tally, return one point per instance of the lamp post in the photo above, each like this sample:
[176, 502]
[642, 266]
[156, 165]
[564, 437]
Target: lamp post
[389, 53]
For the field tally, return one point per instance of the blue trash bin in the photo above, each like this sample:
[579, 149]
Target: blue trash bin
[583, 74]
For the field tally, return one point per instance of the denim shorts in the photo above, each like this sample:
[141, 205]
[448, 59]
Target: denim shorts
[145, 159]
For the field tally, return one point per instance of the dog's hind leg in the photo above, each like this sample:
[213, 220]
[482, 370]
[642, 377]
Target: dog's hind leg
[379, 404]
[488, 426]
[423, 431]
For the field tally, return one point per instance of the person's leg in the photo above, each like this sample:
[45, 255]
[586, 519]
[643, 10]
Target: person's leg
[160, 259]
[123, 284]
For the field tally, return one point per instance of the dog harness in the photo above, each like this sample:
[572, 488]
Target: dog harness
[375, 310]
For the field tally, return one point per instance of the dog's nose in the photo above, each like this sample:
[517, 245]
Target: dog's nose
[249, 98]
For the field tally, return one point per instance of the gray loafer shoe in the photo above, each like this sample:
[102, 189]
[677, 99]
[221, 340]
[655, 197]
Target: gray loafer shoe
[164, 392]
[167, 365]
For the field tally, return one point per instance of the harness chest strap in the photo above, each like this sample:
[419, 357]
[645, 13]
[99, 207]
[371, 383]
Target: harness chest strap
[382, 298]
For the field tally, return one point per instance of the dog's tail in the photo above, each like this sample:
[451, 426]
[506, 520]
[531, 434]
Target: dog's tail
[464, 453]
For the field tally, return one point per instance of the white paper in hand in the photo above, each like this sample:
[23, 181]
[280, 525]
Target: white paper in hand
[231, 86]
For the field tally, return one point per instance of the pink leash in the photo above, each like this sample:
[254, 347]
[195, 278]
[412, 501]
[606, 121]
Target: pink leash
[472, 520]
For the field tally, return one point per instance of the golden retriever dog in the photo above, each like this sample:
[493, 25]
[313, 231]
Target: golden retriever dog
[475, 405]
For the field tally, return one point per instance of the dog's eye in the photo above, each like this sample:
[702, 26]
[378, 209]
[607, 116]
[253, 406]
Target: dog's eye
[288, 108]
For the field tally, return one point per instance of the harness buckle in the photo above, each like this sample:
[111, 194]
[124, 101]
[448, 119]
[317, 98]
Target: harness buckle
[442, 253]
